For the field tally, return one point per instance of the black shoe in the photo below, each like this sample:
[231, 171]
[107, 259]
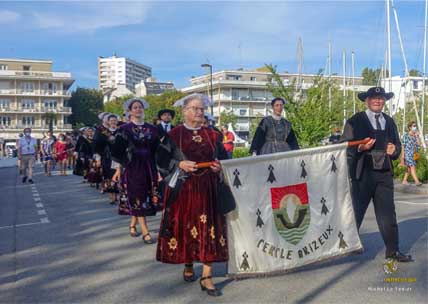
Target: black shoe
[133, 231]
[24, 179]
[211, 292]
[30, 181]
[113, 203]
[187, 277]
[147, 241]
[401, 257]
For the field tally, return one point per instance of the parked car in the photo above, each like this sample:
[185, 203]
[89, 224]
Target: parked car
[11, 149]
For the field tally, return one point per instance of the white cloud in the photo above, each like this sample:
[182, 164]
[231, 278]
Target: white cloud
[7, 17]
[79, 17]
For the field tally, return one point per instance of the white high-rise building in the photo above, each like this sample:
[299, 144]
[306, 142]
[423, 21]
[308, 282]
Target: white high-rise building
[114, 71]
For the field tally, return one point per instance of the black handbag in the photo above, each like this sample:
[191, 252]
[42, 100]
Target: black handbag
[226, 201]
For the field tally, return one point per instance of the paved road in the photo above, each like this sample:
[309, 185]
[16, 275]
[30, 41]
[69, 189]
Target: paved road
[61, 242]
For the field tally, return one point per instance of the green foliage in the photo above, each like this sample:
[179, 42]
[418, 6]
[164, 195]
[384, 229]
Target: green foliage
[116, 106]
[310, 117]
[415, 73]
[254, 123]
[421, 169]
[228, 117]
[86, 104]
[163, 101]
[371, 76]
[240, 152]
[411, 115]
[156, 102]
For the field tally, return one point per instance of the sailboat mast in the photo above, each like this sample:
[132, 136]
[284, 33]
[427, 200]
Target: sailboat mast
[344, 87]
[424, 69]
[388, 29]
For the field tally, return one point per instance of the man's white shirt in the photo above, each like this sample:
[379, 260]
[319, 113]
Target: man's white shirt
[27, 145]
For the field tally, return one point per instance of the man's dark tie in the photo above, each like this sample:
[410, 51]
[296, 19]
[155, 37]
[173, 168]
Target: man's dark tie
[166, 128]
[378, 126]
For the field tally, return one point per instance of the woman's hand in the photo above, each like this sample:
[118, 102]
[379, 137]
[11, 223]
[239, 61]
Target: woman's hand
[187, 166]
[216, 167]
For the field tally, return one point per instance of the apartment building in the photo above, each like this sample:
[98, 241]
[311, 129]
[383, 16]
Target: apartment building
[151, 86]
[404, 88]
[114, 71]
[31, 94]
[245, 92]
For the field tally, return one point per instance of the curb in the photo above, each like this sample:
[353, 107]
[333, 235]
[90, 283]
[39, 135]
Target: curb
[411, 188]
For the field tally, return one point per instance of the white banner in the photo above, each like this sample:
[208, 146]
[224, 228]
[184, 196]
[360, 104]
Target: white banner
[293, 209]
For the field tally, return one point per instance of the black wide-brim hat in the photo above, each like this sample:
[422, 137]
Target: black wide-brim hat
[375, 91]
[163, 111]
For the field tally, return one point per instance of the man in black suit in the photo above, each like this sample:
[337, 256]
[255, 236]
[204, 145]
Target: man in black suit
[165, 116]
[371, 169]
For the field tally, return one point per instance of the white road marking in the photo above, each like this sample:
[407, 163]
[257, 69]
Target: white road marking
[37, 199]
[36, 194]
[41, 212]
[44, 220]
[411, 203]
[39, 205]
[21, 225]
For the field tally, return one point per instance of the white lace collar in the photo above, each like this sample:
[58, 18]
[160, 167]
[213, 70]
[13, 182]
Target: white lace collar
[190, 128]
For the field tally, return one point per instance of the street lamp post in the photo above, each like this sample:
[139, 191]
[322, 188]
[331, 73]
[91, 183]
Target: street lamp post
[207, 65]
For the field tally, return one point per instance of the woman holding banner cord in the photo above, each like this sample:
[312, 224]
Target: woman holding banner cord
[192, 228]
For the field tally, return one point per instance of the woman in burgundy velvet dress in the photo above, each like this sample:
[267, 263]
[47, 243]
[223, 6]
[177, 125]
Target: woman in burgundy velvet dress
[192, 228]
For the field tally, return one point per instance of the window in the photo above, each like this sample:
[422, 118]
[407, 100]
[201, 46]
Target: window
[54, 121]
[27, 87]
[252, 78]
[26, 67]
[5, 120]
[50, 87]
[4, 103]
[27, 104]
[3, 67]
[28, 121]
[51, 104]
[242, 112]
[233, 77]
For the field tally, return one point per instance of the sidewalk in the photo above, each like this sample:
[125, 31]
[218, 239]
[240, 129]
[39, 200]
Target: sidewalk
[410, 188]
[8, 162]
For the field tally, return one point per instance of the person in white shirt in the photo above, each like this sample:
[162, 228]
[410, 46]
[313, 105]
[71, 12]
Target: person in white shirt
[27, 147]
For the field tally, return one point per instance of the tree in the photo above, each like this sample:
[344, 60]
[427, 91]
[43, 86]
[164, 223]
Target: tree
[308, 114]
[371, 77]
[163, 101]
[229, 117]
[116, 106]
[49, 117]
[415, 73]
[86, 104]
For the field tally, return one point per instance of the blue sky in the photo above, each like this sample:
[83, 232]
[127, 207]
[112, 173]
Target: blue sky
[175, 37]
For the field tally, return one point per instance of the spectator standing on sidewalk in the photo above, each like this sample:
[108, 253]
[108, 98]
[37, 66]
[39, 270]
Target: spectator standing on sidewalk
[27, 149]
[228, 139]
[410, 155]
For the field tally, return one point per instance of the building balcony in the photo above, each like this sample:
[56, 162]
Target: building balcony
[43, 93]
[36, 127]
[34, 74]
[36, 110]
